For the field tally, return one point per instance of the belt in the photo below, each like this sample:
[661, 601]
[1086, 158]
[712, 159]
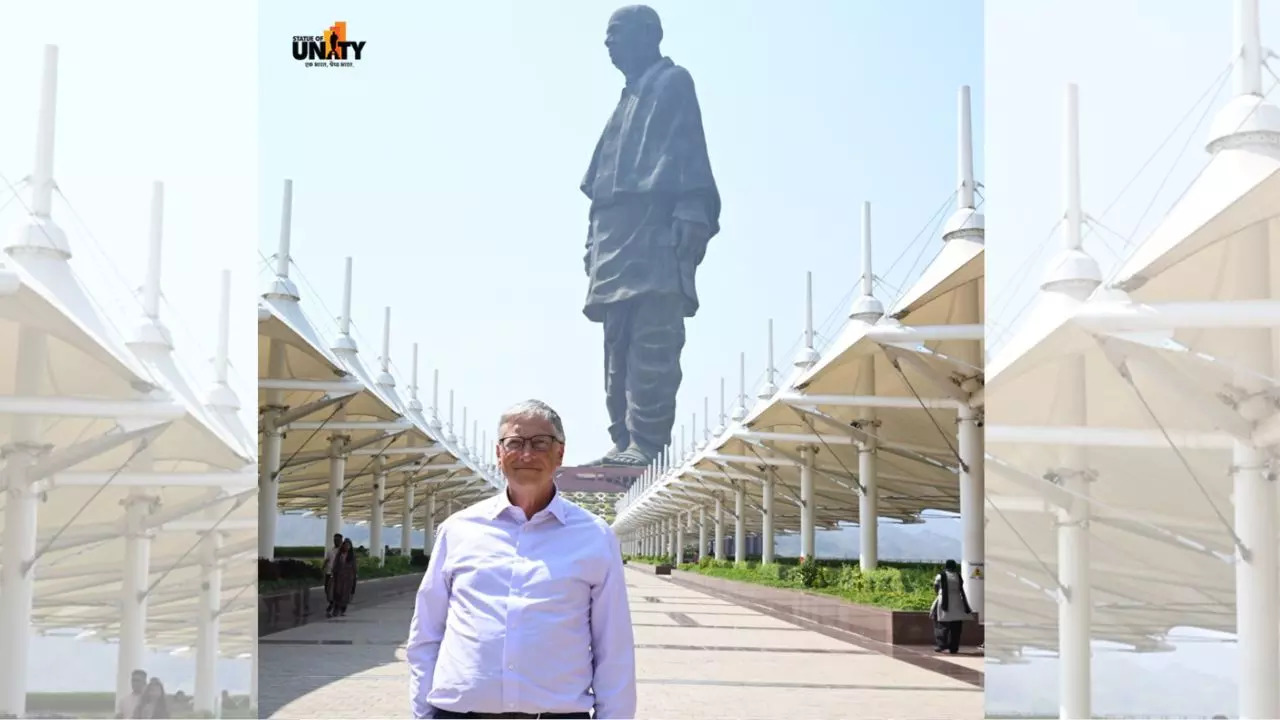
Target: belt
[579, 715]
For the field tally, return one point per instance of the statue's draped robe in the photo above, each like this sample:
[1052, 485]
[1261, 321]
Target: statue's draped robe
[650, 168]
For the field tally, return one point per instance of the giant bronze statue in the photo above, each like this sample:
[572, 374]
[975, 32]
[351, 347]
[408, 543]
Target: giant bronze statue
[654, 207]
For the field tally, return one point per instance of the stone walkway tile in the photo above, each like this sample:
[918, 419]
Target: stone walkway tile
[750, 678]
[866, 668]
[754, 620]
[976, 662]
[747, 702]
[761, 638]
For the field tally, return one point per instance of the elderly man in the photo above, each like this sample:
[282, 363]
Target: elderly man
[523, 610]
[654, 208]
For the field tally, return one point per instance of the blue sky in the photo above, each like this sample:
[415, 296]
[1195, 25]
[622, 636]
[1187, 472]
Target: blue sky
[447, 163]
[153, 107]
[1141, 66]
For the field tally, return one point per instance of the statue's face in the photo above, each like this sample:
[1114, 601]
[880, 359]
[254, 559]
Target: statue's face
[629, 41]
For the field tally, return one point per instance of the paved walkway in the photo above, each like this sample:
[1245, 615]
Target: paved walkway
[697, 656]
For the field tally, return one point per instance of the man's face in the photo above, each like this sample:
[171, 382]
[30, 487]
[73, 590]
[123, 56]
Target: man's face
[629, 42]
[528, 452]
[138, 681]
[337, 540]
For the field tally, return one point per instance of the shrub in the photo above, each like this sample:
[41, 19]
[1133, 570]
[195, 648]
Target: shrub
[267, 571]
[900, 586]
[810, 573]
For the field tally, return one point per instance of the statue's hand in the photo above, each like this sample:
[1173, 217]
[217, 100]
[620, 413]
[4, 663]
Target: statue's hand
[691, 240]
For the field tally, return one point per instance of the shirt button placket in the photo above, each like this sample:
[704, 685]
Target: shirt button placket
[515, 595]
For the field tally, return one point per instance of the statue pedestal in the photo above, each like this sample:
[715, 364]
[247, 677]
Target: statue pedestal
[597, 478]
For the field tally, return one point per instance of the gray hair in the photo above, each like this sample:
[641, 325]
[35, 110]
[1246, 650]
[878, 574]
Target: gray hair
[533, 409]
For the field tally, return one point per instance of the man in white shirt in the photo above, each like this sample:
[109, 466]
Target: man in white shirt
[128, 706]
[523, 610]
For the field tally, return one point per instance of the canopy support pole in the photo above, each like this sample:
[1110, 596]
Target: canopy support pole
[766, 520]
[740, 523]
[719, 520]
[133, 594]
[206, 696]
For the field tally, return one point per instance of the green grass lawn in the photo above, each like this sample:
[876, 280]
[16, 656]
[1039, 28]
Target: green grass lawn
[893, 586]
[367, 568]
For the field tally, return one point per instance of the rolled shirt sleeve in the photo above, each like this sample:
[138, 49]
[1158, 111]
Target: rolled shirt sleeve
[426, 631]
[612, 642]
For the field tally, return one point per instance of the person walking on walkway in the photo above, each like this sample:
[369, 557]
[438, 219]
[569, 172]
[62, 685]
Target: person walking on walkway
[327, 569]
[344, 578]
[523, 609]
[950, 608]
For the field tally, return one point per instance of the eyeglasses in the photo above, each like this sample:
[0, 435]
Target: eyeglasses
[538, 443]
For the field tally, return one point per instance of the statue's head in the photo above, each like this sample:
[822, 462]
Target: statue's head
[633, 37]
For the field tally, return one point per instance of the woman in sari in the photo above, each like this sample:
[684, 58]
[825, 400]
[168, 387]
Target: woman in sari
[344, 577]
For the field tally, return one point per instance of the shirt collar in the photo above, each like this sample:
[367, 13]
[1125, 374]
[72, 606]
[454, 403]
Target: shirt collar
[500, 503]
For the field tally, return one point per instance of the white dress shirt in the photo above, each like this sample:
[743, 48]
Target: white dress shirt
[523, 615]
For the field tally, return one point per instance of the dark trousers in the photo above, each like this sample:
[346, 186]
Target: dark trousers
[643, 339]
[566, 716]
[946, 635]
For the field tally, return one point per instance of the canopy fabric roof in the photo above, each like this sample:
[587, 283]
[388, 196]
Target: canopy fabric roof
[917, 383]
[114, 423]
[383, 430]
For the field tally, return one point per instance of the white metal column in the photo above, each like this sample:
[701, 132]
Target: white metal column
[808, 533]
[269, 465]
[1072, 276]
[740, 522]
[673, 527]
[1075, 659]
[1257, 562]
[20, 531]
[1256, 584]
[429, 525]
[133, 594]
[269, 485]
[1074, 654]
[972, 515]
[208, 623]
[766, 520]
[376, 544]
[719, 534]
[702, 532]
[681, 520]
[17, 577]
[868, 507]
[406, 516]
[253, 672]
[337, 477]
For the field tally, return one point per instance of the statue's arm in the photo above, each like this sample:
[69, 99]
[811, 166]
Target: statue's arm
[699, 203]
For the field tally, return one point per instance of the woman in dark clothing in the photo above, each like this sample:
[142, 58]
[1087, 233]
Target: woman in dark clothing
[950, 608]
[152, 704]
[344, 577]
